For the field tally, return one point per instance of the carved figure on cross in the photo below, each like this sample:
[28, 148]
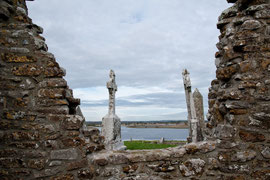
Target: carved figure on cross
[112, 88]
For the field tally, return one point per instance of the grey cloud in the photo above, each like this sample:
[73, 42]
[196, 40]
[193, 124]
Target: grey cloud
[170, 36]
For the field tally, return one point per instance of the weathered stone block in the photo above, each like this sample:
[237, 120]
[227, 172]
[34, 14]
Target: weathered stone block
[261, 174]
[262, 14]
[56, 118]
[90, 148]
[192, 167]
[53, 82]
[65, 177]
[206, 146]
[40, 43]
[191, 148]
[251, 136]
[213, 163]
[244, 156]
[22, 135]
[27, 70]
[11, 163]
[54, 72]
[238, 111]
[21, 173]
[251, 25]
[33, 154]
[46, 173]
[161, 167]
[11, 58]
[73, 133]
[51, 144]
[226, 73]
[8, 153]
[63, 109]
[24, 145]
[111, 171]
[225, 131]
[90, 131]
[55, 163]
[13, 115]
[52, 102]
[224, 156]
[77, 165]
[65, 154]
[27, 83]
[266, 152]
[73, 142]
[130, 168]
[36, 164]
[73, 122]
[237, 105]
[235, 168]
[86, 173]
[101, 162]
[51, 93]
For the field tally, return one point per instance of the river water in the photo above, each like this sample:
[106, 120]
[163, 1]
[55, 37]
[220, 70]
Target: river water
[153, 133]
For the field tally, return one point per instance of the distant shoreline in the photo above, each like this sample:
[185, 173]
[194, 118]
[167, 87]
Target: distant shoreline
[148, 124]
[172, 127]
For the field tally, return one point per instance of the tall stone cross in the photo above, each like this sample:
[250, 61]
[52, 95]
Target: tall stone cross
[111, 124]
[192, 119]
[112, 87]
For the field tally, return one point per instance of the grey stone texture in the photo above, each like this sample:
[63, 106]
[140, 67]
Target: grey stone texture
[42, 135]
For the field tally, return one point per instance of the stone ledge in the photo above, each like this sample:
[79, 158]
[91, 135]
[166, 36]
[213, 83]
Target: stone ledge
[134, 156]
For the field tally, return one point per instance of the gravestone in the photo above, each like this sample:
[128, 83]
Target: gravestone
[198, 103]
[111, 124]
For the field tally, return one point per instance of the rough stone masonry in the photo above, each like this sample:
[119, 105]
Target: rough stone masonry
[42, 137]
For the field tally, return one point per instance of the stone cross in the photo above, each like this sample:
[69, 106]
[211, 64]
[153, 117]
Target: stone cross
[112, 87]
[198, 103]
[192, 118]
[111, 124]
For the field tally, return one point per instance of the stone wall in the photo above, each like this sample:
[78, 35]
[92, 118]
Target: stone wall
[42, 137]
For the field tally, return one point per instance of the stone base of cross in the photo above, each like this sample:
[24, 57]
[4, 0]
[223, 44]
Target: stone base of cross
[111, 130]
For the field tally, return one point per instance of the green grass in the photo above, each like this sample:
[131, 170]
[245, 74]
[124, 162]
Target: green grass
[133, 145]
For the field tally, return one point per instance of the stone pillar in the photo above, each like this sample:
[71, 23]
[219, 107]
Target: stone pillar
[111, 124]
[192, 120]
[198, 103]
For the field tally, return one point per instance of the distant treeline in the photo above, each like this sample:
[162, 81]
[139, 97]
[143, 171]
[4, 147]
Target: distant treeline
[98, 123]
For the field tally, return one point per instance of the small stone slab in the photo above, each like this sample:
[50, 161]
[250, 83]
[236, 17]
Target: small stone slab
[65, 154]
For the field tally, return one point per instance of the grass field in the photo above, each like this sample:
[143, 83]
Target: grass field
[133, 145]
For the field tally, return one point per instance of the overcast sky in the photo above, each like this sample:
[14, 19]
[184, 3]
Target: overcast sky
[146, 42]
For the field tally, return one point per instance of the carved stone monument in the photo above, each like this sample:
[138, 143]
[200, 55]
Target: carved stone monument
[195, 134]
[111, 124]
[198, 103]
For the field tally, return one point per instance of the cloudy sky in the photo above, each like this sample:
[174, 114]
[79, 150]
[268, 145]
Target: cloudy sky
[146, 42]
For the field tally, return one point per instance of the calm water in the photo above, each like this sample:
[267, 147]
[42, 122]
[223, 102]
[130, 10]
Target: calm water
[153, 133]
